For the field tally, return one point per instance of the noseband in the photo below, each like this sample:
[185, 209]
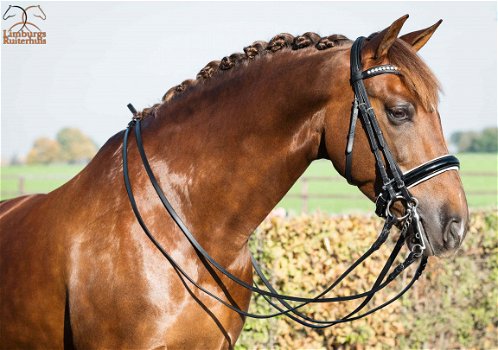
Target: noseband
[395, 187]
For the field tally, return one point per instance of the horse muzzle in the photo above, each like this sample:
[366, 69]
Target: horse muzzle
[443, 229]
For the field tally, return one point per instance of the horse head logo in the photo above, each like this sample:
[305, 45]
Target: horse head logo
[21, 14]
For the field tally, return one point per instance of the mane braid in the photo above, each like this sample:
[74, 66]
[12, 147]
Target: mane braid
[251, 52]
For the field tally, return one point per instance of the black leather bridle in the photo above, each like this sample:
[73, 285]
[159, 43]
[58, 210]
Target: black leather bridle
[395, 187]
[395, 184]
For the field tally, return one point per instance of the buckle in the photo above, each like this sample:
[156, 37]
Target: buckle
[381, 206]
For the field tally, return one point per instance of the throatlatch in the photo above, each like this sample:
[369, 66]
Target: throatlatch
[395, 188]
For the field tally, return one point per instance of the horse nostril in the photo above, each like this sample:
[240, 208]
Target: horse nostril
[453, 233]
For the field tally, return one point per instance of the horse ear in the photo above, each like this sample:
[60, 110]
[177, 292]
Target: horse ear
[382, 42]
[418, 39]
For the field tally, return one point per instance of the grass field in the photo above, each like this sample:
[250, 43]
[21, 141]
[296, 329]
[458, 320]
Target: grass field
[478, 172]
[37, 178]
[481, 189]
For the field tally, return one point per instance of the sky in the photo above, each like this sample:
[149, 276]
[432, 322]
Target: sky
[100, 56]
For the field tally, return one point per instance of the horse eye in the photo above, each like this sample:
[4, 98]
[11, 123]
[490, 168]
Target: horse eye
[399, 113]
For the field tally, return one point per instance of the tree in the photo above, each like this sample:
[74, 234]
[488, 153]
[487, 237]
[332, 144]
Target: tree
[44, 151]
[488, 142]
[75, 146]
[15, 160]
[468, 142]
[472, 141]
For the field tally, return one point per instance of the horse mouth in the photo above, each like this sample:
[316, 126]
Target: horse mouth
[411, 242]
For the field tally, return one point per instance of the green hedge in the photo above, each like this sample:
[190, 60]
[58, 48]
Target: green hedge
[453, 305]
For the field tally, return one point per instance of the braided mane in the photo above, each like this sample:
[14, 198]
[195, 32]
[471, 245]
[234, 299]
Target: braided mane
[251, 52]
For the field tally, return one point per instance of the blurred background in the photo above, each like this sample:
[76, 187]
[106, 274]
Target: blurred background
[61, 101]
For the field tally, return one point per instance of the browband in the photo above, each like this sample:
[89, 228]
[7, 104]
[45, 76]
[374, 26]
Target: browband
[372, 72]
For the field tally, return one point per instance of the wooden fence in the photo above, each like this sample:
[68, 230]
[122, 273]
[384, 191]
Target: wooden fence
[304, 194]
[20, 184]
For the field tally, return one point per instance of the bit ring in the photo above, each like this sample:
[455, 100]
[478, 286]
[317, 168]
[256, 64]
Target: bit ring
[407, 211]
[417, 250]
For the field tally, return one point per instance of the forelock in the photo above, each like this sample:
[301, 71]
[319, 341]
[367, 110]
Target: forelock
[415, 73]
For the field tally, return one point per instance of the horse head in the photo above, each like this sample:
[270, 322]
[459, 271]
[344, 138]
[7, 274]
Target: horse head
[405, 106]
[39, 13]
[9, 12]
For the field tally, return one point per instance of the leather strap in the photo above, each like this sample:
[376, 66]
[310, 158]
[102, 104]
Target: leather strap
[430, 169]
[393, 186]
[372, 72]
[375, 246]
[272, 294]
[375, 137]
[378, 284]
[350, 144]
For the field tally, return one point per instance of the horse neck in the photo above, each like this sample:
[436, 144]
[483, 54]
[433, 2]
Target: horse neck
[225, 155]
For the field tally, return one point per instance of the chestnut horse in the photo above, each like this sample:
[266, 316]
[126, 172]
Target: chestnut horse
[78, 271]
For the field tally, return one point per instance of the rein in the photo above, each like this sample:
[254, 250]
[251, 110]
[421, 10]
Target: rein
[395, 188]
